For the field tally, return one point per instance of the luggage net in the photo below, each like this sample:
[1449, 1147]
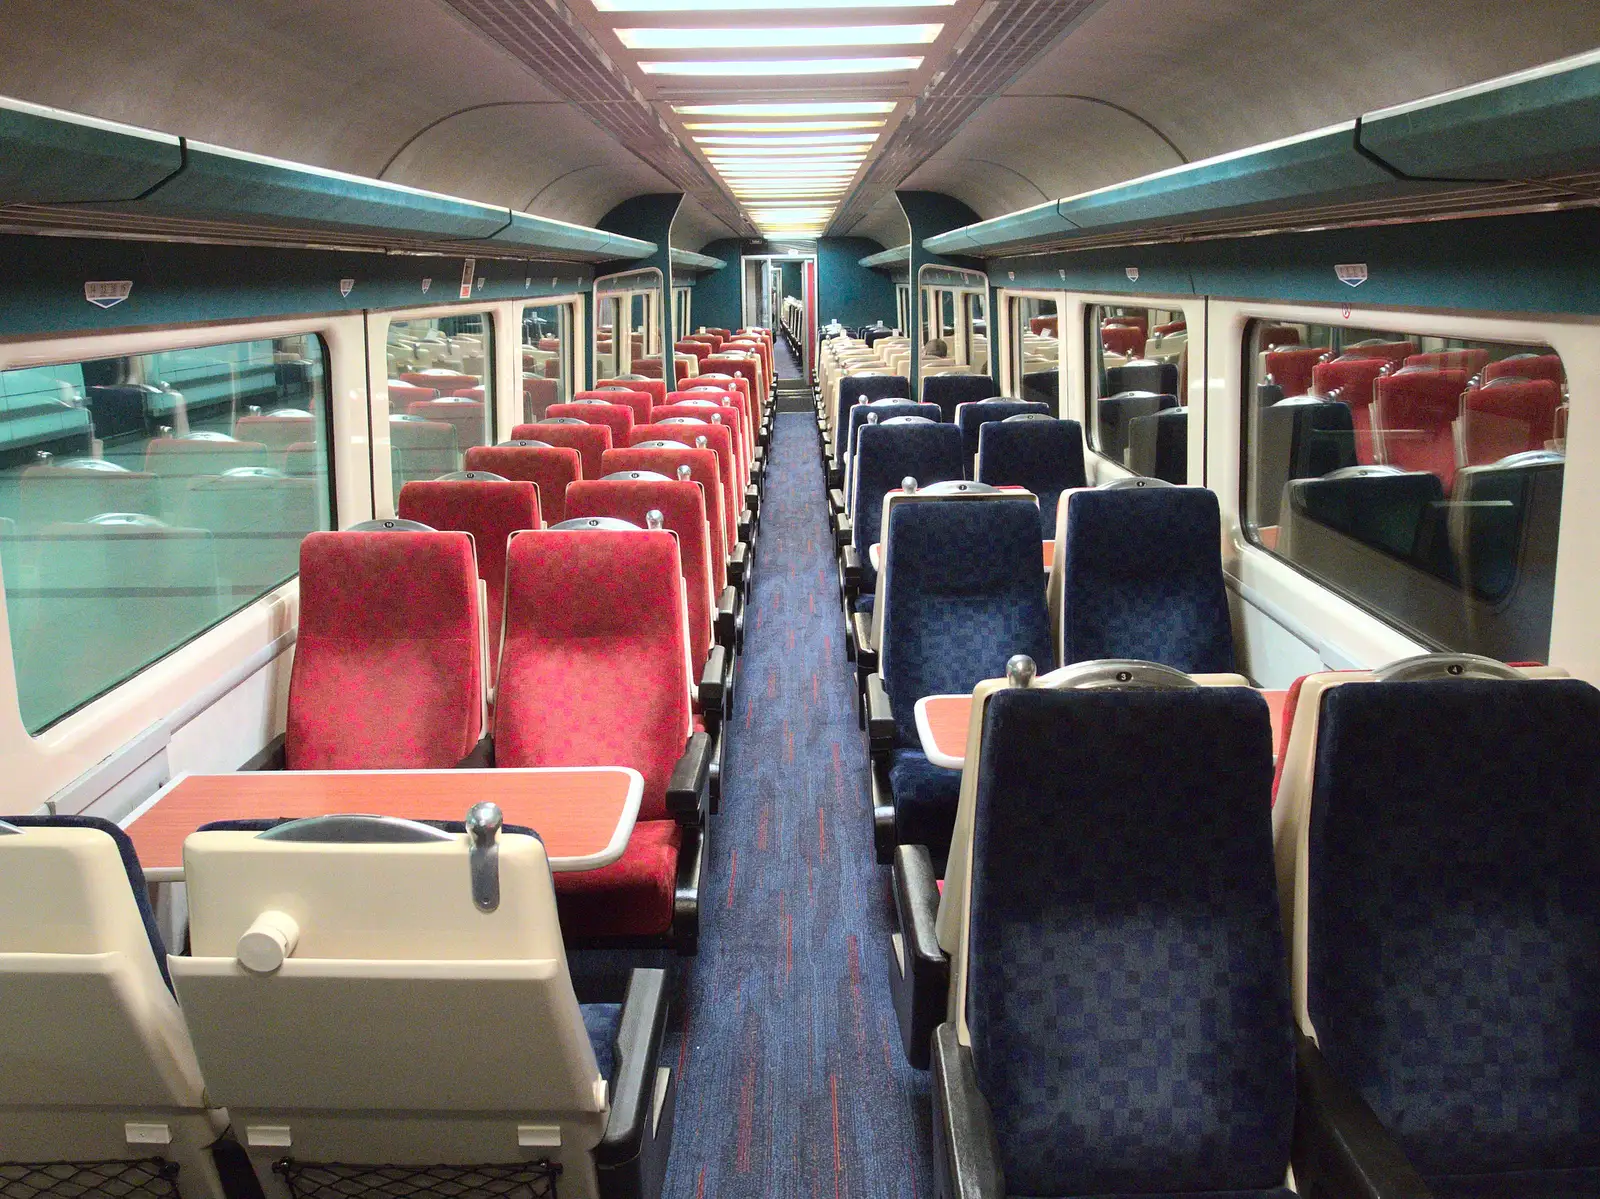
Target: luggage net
[147, 1178]
[326, 1180]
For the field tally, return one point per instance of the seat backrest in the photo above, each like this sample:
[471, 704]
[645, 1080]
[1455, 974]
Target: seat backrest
[703, 470]
[1138, 574]
[1400, 514]
[1299, 438]
[1139, 375]
[962, 592]
[549, 468]
[488, 509]
[1453, 904]
[421, 449]
[1528, 366]
[387, 938]
[1114, 413]
[276, 430]
[863, 414]
[682, 506]
[638, 400]
[973, 415]
[948, 391]
[388, 668]
[616, 417]
[465, 416]
[594, 669]
[656, 389]
[1412, 414]
[885, 456]
[1045, 456]
[1122, 339]
[1291, 367]
[718, 439]
[590, 441]
[538, 393]
[867, 389]
[92, 1042]
[74, 491]
[1158, 445]
[1079, 855]
[712, 412]
[1472, 361]
[1507, 416]
[261, 515]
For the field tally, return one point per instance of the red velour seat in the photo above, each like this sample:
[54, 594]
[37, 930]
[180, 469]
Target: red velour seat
[713, 412]
[1471, 361]
[589, 440]
[1123, 339]
[388, 667]
[616, 417]
[1291, 368]
[1412, 413]
[1528, 366]
[464, 415]
[655, 388]
[703, 472]
[548, 468]
[718, 438]
[1348, 379]
[1507, 416]
[639, 402]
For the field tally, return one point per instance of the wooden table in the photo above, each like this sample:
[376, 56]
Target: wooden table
[942, 725]
[875, 553]
[584, 814]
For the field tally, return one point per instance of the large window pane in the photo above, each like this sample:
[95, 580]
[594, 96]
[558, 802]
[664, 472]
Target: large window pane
[547, 358]
[1036, 342]
[441, 390]
[1420, 476]
[143, 499]
[1138, 389]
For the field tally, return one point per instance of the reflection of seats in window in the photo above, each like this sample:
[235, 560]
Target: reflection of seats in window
[1504, 526]
[1349, 380]
[1301, 438]
[1291, 368]
[277, 430]
[257, 517]
[1376, 347]
[179, 461]
[120, 410]
[75, 489]
[1122, 339]
[537, 395]
[1507, 416]
[421, 449]
[465, 415]
[1276, 336]
[1142, 375]
[1384, 507]
[1412, 413]
[1114, 412]
[121, 590]
[1471, 361]
[1528, 366]
[1158, 445]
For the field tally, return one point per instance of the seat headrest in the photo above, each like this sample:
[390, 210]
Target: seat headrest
[392, 525]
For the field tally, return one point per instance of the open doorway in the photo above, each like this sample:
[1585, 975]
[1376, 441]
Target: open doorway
[779, 292]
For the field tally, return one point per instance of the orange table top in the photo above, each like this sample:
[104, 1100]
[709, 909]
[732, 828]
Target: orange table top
[584, 814]
[942, 724]
[875, 553]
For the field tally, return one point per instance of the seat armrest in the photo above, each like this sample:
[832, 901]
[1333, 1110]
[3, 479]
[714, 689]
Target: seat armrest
[920, 981]
[738, 563]
[1340, 1145]
[726, 623]
[843, 531]
[850, 567]
[633, 1078]
[880, 718]
[747, 524]
[713, 690]
[966, 1158]
[836, 499]
[866, 652]
[752, 499]
[916, 898]
[686, 789]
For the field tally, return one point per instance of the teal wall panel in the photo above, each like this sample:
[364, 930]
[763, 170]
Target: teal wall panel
[649, 218]
[849, 292]
[716, 296]
[42, 287]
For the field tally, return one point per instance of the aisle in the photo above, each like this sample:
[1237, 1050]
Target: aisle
[784, 363]
[791, 1077]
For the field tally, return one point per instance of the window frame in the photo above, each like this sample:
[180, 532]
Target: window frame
[1008, 349]
[572, 349]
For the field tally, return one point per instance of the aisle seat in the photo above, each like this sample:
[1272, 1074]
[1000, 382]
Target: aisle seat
[1483, 878]
[971, 416]
[1528, 366]
[962, 592]
[951, 391]
[718, 439]
[749, 436]
[675, 460]
[591, 441]
[656, 389]
[635, 398]
[874, 412]
[99, 1085]
[1171, 1068]
[1273, 336]
[1507, 416]
[712, 412]
[388, 666]
[856, 389]
[701, 350]
[440, 379]
[549, 468]
[1045, 456]
[1393, 352]
[1138, 574]
[1412, 414]
[491, 509]
[886, 455]
[594, 671]
[616, 417]
[309, 929]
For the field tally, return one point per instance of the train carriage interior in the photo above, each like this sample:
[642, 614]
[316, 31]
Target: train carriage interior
[672, 599]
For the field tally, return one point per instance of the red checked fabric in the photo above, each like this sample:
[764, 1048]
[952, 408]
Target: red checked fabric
[387, 671]
[616, 417]
[719, 438]
[702, 466]
[550, 469]
[589, 440]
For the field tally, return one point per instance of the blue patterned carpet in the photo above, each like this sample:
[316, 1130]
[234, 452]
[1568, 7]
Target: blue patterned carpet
[791, 1077]
[785, 365]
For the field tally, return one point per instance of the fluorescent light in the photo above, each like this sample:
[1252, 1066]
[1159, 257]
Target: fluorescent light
[758, 5]
[802, 109]
[803, 139]
[783, 66]
[763, 37]
[780, 126]
[787, 169]
[799, 153]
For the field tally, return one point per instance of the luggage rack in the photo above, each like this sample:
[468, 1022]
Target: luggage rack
[333, 1180]
[143, 1178]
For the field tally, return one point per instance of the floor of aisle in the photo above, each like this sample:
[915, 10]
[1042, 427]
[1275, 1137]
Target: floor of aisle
[791, 1079]
[785, 365]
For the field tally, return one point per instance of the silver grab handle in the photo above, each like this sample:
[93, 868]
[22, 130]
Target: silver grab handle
[483, 854]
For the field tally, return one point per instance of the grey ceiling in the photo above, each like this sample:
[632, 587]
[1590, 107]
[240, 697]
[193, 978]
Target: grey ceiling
[409, 90]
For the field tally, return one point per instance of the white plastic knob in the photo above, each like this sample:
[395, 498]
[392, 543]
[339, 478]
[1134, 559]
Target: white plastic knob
[268, 942]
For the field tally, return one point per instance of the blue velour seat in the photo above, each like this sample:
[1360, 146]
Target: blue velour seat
[855, 390]
[972, 416]
[1453, 925]
[884, 409]
[886, 456]
[1045, 456]
[947, 391]
[1126, 1003]
[1139, 575]
[962, 594]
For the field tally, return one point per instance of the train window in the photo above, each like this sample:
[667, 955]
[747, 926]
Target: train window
[547, 358]
[1419, 476]
[1036, 350]
[441, 393]
[1138, 362]
[144, 499]
[976, 330]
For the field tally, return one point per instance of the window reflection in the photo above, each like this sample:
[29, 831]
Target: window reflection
[1138, 393]
[547, 358]
[440, 393]
[1036, 336]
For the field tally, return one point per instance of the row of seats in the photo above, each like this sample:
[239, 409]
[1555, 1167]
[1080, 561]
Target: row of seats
[1383, 981]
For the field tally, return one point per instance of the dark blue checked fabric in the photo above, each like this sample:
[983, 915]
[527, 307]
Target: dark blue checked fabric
[886, 456]
[1046, 457]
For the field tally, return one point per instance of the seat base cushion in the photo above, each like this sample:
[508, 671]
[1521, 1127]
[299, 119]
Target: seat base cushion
[632, 897]
[601, 1021]
[1581, 1183]
[925, 798]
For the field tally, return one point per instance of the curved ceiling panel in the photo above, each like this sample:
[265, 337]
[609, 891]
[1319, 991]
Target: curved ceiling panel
[694, 227]
[884, 223]
[1018, 152]
[544, 157]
